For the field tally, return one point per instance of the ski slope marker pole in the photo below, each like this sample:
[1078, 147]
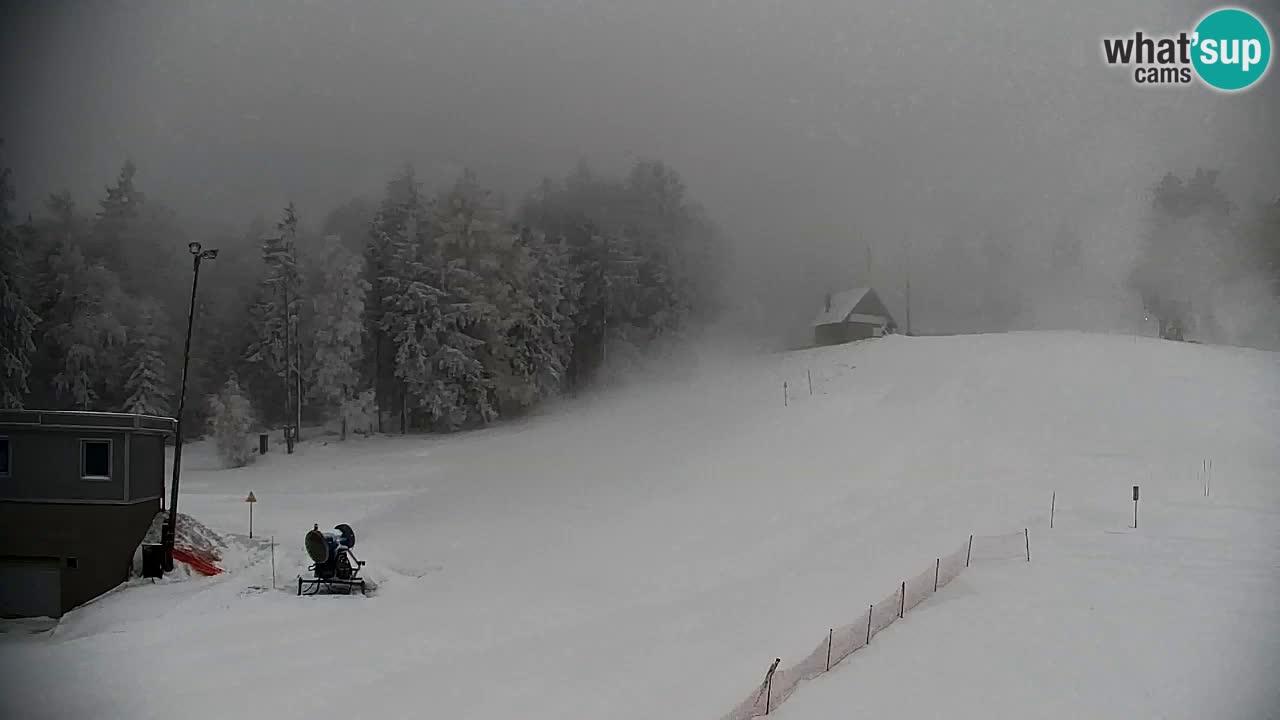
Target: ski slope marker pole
[1135, 507]
[830, 634]
[251, 500]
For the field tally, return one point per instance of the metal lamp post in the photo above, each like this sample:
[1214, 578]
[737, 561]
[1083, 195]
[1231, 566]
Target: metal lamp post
[170, 531]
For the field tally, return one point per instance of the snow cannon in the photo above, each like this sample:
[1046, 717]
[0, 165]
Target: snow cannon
[324, 547]
[334, 566]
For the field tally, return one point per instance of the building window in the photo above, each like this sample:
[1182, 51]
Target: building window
[4, 456]
[95, 459]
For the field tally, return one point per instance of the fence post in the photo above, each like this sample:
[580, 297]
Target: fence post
[830, 635]
[902, 600]
[1053, 505]
[968, 553]
[768, 692]
[869, 609]
[768, 685]
[784, 393]
[1026, 532]
[809, 373]
[273, 562]
[937, 565]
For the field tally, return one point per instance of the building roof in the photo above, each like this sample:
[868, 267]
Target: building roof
[842, 305]
[859, 305]
[74, 420]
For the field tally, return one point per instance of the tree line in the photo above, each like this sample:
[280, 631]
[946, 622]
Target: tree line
[425, 310]
[1208, 268]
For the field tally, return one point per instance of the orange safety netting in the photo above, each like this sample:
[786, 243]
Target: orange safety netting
[197, 561]
[840, 642]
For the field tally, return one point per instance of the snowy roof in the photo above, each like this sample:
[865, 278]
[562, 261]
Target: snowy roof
[79, 420]
[842, 305]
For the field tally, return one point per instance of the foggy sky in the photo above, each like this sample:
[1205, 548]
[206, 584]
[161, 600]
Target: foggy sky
[808, 128]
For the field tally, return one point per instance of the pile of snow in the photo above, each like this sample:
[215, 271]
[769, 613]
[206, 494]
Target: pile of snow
[229, 551]
[22, 627]
[191, 534]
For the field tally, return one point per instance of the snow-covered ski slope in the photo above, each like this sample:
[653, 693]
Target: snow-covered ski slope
[647, 554]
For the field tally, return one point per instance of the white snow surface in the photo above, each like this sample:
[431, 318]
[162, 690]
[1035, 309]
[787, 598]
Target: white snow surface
[648, 552]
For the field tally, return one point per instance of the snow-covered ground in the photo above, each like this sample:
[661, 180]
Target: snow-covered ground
[648, 552]
[1179, 619]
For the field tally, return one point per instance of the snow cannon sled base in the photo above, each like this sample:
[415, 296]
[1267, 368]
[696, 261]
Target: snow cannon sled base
[334, 565]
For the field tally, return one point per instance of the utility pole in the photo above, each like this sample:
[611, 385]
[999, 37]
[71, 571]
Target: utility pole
[907, 244]
[297, 379]
[288, 362]
[604, 307]
[292, 345]
[282, 279]
[169, 533]
[297, 344]
[908, 301]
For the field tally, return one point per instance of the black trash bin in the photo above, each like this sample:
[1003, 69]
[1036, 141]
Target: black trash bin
[153, 560]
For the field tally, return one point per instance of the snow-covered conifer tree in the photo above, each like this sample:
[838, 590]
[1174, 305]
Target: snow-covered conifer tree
[230, 421]
[146, 389]
[339, 310]
[274, 315]
[17, 319]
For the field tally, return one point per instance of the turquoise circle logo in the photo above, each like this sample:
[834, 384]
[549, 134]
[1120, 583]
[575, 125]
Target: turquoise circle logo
[1232, 49]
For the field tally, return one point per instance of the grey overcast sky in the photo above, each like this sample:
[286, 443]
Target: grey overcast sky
[807, 127]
